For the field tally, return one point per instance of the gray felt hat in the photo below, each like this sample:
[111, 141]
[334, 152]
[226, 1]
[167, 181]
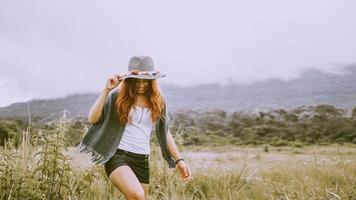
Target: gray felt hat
[142, 67]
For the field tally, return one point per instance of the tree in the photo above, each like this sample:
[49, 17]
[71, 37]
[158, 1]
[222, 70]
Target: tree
[9, 130]
[353, 115]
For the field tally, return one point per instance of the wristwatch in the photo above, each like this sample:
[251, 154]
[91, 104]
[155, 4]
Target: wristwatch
[178, 160]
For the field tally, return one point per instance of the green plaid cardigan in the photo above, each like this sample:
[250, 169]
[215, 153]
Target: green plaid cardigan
[103, 137]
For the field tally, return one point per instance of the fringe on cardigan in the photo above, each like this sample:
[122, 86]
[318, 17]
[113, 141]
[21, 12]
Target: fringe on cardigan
[95, 156]
[171, 163]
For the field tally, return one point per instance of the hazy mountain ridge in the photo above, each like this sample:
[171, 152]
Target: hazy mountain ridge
[313, 87]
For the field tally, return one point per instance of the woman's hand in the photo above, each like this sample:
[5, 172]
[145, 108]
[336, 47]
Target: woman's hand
[114, 81]
[184, 170]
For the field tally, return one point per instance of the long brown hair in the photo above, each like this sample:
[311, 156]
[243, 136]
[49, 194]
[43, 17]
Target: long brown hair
[127, 98]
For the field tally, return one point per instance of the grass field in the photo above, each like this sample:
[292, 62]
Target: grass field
[315, 172]
[51, 170]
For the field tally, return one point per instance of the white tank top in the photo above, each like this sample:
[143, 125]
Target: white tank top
[136, 136]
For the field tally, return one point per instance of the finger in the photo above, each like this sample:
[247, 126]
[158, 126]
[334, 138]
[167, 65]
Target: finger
[181, 171]
[119, 75]
[111, 80]
[186, 179]
[185, 172]
[188, 172]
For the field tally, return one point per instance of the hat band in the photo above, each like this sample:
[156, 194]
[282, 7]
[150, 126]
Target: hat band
[152, 73]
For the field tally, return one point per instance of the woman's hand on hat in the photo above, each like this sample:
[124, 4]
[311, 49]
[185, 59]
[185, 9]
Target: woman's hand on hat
[114, 81]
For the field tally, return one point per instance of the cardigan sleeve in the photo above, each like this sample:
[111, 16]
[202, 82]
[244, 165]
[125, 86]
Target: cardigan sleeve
[162, 130]
[166, 114]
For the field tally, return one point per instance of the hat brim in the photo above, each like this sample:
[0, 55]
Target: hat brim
[144, 76]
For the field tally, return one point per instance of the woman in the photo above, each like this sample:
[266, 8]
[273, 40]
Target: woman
[122, 121]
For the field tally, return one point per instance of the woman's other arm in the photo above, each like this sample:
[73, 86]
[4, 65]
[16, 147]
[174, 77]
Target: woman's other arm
[172, 146]
[181, 165]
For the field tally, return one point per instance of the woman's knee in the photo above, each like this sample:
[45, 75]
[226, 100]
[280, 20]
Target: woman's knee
[137, 194]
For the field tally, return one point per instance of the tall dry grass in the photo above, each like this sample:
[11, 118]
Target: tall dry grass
[45, 171]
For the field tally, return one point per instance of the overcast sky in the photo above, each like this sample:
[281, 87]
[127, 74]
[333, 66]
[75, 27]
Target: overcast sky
[54, 48]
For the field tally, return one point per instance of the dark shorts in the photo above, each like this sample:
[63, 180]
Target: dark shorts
[137, 162]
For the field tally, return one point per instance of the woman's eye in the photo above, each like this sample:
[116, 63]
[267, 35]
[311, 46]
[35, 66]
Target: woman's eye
[143, 82]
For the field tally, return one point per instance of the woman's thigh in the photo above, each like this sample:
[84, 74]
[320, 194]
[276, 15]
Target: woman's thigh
[145, 187]
[124, 179]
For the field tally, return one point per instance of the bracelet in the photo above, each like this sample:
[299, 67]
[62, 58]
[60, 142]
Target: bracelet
[178, 160]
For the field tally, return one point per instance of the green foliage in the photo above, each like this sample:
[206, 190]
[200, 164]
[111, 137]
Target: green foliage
[45, 173]
[277, 142]
[249, 135]
[321, 124]
[304, 125]
[9, 130]
[296, 144]
[53, 166]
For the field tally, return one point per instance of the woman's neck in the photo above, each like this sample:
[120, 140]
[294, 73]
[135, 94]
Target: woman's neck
[142, 101]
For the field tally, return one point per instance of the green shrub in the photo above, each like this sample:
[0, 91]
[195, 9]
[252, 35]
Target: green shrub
[277, 142]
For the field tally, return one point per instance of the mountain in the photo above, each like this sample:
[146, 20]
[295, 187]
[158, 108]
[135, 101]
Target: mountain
[311, 88]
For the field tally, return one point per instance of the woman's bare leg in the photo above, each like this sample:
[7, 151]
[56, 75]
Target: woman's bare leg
[126, 181]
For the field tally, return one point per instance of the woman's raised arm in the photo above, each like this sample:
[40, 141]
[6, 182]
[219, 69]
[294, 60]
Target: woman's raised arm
[97, 108]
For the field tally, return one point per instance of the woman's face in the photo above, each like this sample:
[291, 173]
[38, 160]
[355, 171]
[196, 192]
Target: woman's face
[142, 85]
